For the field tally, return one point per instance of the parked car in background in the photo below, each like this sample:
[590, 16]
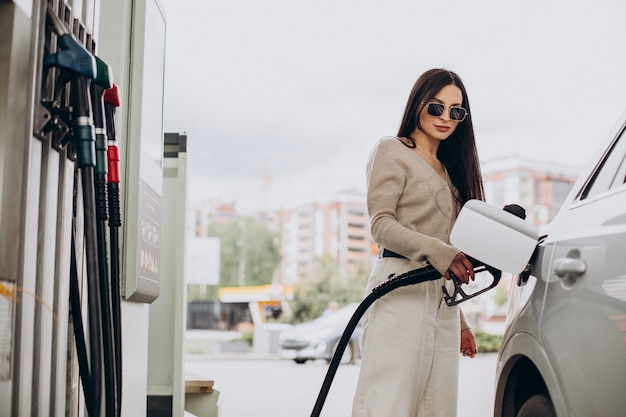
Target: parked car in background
[563, 352]
[318, 338]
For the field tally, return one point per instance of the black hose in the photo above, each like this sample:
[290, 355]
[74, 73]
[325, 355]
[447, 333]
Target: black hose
[115, 222]
[116, 310]
[111, 101]
[105, 299]
[111, 369]
[78, 326]
[93, 289]
[416, 276]
[428, 273]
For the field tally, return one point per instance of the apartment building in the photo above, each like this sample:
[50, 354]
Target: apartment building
[210, 211]
[539, 187]
[338, 227]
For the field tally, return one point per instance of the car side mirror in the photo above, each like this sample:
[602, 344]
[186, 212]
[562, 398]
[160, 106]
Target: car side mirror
[495, 237]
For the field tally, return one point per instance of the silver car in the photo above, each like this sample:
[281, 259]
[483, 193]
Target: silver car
[564, 350]
[318, 338]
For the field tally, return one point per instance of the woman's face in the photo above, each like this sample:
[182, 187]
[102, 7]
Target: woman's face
[441, 127]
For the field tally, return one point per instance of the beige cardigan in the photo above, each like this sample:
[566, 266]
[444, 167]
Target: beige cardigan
[412, 209]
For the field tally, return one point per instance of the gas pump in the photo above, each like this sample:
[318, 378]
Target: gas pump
[60, 182]
[78, 68]
[87, 88]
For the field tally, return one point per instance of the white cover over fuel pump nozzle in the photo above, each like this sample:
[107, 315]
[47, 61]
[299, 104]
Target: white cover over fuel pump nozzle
[495, 240]
[493, 236]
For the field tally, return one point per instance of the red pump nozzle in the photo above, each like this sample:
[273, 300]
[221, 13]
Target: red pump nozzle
[112, 96]
[111, 101]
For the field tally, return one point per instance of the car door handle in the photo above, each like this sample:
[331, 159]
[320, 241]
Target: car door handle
[569, 268]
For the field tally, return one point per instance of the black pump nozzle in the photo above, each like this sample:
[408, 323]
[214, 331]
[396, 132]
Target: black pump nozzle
[459, 295]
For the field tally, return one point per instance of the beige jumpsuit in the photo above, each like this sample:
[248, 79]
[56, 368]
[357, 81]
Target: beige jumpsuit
[410, 340]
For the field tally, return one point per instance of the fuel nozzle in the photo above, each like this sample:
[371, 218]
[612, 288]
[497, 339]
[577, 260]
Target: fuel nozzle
[78, 66]
[72, 55]
[111, 102]
[459, 295]
[103, 81]
[72, 60]
[99, 84]
[112, 97]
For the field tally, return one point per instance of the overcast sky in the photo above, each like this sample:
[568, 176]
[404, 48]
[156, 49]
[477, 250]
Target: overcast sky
[300, 91]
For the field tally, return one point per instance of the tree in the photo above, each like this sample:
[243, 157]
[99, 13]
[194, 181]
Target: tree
[249, 252]
[501, 294]
[325, 284]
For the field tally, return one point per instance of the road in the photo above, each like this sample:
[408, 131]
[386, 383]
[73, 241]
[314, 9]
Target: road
[281, 388]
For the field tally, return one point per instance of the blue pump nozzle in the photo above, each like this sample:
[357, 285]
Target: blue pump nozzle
[72, 55]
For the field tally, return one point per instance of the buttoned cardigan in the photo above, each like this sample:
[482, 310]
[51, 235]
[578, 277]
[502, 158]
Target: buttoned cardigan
[411, 207]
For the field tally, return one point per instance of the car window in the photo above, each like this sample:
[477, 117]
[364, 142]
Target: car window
[342, 315]
[620, 177]
[611, 172]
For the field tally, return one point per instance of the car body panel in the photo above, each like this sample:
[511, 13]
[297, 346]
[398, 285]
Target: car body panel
[568, 319]
[524, 345]
[580, 323]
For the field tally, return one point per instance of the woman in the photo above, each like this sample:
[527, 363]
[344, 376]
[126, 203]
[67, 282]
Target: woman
[416, 185]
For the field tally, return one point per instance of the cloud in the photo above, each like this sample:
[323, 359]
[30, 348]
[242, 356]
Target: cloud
[303, 90]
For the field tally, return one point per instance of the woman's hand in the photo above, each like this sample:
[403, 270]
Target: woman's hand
[468, 343]
[462, 268]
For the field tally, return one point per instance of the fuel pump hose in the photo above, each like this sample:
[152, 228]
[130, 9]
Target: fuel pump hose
[416, 276]
[111, 102]
[98, 86]
[78, 67]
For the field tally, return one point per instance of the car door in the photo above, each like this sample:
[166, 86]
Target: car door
[583, 321]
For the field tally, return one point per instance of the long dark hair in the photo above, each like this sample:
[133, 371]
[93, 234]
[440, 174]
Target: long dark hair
[457, 153]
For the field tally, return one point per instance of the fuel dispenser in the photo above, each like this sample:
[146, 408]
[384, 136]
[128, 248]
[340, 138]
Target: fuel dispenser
[75, 283]
[166, 384]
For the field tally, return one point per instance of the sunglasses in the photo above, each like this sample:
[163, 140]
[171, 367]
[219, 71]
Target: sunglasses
[457, 113]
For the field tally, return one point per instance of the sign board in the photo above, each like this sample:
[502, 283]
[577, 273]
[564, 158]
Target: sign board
[203, 260]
